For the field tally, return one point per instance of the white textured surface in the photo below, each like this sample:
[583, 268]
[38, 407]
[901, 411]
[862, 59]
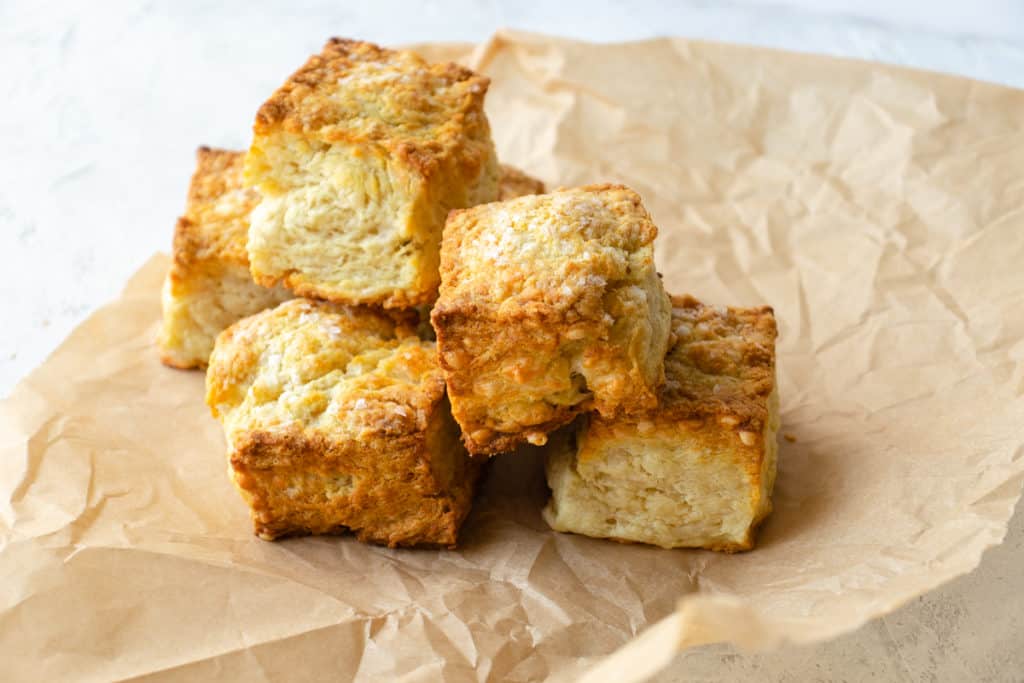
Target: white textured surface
[104, 104]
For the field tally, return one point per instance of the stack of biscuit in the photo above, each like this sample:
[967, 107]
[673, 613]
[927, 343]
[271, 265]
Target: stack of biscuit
[370, 216]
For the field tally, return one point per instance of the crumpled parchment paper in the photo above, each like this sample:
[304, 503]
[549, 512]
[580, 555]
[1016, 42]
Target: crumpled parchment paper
[879, 210]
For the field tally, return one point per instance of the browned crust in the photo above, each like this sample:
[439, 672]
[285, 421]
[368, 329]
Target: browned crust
[504, 442]
[424, 125]
[478, 330]
[391, 436]
[466, 284]
[719, 377]
[463, 342]
[722, 364]
[287, 105]
[208, 232]
[396, 501]
[217, 171]
[241, 345]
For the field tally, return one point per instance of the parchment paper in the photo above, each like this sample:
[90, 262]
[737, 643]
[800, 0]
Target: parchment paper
[880, 210]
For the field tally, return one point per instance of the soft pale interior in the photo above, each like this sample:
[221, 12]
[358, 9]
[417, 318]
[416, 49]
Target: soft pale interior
[671, 488]
[342, 220]
[200, 308]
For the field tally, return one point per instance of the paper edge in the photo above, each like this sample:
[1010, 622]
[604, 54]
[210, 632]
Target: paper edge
[510, 34]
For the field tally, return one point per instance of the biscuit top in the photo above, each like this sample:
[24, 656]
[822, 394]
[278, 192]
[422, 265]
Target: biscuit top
[349, 372]
[216, 218]
[721, 365]
[356, 91]
[552, 250]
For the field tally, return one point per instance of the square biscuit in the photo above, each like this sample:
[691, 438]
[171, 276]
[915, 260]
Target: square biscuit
[358, 157]
[208, 285]
[697, 471]
[336, 420]
[550, 305]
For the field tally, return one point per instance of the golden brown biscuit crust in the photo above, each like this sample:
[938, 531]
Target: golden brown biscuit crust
[494, 255]
[722, 364]
[421, 113]
[336, 420]
[216, 216]
[549, 306]
[387, 95]
[394, 495]
[719, 398]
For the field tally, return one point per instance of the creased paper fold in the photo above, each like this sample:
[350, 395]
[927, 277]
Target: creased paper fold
[879, 210]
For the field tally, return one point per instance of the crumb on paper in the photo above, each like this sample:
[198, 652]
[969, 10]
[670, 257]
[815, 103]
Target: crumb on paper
[790, 437]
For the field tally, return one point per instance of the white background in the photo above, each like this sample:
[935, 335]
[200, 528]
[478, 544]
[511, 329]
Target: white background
[103, 104]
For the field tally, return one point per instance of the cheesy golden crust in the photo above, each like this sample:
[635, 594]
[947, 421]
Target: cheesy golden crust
[336, 419]
[217, 210]
[698, 470]
[208, 285]
[358, 157]
[722, 364]
[550, 306]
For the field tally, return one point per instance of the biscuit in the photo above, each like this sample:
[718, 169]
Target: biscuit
[208, 285]
[358, 157]
[336, 419]
[698, 471]
[550, 306]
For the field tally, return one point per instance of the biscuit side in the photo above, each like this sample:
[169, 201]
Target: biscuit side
[208, 285]
[359, 156]
[698, 471]
[722, 364]
[216, 219]
[550, 306]
[411, 490]
[200, 303]
[336, 420]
